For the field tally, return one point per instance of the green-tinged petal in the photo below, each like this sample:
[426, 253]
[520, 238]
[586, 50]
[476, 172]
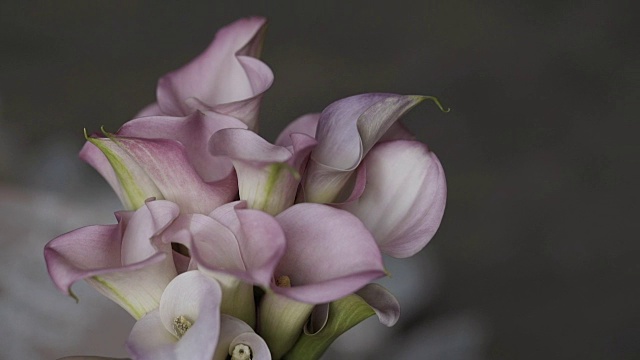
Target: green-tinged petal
[281, 321]
[268, 175]
[342, 315]
[237, 296]
[160, 168]
[119, 260]
[126, 177]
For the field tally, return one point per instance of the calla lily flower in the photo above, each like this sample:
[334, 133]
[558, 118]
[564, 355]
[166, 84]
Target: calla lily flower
[239, 247]
[330, 254]
[227, 78]
[239, 342]
[185, 326]
[404, 198]
[316, 211]
[347, 130]
[120, 261]
[138, 169]
[188, 325]
[268, 175]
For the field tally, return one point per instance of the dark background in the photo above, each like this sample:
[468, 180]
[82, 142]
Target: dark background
[539, 243]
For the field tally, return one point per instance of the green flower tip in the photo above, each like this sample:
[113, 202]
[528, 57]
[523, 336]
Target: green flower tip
[74, 296]
[102, 129]
[421, 98]
[106, 133]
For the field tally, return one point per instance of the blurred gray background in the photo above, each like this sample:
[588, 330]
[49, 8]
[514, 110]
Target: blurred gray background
[537, 255]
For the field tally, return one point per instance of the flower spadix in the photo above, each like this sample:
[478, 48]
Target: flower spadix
[185, 326]
[268, 175]
[227, 78]
[238, 341]
[120, 261]
[347, 130]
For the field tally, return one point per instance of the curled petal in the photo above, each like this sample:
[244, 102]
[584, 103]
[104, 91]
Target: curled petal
[142, 226]
[261, 79]
[236, 246]
[193, 132]
[268, 175]
[340, 316]
[305, 124]
[384, 304]
[260, 239]
[347, 130]
[203, 235]
[96, 254]
[191, 298]
[329, 254]
[404, 199]
[241, 242]
[225, 78]
[160, 168]
[235, 332]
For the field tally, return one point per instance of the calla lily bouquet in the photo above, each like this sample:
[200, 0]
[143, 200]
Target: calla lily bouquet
[230, 247]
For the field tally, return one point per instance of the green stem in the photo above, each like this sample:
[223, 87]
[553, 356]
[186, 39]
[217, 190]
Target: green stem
[343, 315]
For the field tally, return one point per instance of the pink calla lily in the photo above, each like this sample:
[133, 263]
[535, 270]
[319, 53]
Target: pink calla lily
[239, 340]
[268, 175]
[330, 254]
[232, 247]
[347, 130]
[226, 78]
[239, 247]
[138, 168]
[120, 261]
[185, 326]
[193, 132]
[404, 198]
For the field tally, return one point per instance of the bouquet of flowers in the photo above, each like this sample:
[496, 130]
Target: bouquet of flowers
[232, 247]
